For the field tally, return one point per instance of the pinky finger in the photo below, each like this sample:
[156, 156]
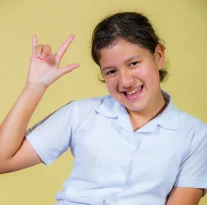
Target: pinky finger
[64, 70]
[34, 44]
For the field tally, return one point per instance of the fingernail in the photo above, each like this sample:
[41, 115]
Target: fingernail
[72, 35]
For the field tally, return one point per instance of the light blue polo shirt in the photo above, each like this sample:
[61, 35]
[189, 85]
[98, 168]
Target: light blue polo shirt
[115, 165]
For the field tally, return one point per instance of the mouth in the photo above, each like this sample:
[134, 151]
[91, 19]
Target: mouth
[135, 93]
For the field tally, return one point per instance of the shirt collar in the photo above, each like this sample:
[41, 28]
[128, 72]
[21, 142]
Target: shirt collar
[109, 107]
[169, 118]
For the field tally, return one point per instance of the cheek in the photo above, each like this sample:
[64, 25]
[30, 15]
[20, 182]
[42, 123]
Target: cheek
[111, 85]
[149, 74]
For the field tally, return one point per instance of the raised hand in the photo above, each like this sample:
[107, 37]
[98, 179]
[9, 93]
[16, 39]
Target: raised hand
[44, 66]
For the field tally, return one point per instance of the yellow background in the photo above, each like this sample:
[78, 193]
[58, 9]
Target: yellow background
[181, 23]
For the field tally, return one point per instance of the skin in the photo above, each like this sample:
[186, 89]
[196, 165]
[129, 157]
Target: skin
[125, 66]
[185, 196]
[15, 151]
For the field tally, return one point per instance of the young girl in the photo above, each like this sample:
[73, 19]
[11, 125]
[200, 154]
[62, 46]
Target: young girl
[132, 147]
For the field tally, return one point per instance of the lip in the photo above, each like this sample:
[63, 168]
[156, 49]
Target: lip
[135, 96]
[129, 90]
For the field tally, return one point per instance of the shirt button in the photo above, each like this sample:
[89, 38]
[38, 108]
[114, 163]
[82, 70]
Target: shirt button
[123, 168]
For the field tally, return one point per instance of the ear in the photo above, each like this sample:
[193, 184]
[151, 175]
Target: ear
[159, 55]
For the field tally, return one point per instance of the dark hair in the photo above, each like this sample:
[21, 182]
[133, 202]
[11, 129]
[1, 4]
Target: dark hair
[131, 26]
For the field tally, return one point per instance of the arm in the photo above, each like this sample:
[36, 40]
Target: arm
[185, 196]
[191, 180]
[15, 151]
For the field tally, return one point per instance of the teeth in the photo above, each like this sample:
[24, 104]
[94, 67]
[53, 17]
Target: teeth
[134, 91]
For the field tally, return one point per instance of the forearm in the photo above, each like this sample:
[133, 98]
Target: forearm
[13, 128]
[15, 152]
[185, 196]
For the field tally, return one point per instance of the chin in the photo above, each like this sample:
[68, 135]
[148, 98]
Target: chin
[134, 108]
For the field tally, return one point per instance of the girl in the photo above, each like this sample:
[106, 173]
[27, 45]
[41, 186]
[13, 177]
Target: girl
[130, 147]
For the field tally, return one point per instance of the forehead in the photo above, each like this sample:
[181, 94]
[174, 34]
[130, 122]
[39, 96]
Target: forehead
[121, 51]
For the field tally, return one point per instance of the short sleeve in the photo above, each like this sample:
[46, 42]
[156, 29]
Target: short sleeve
[193, 170]
[52, 136]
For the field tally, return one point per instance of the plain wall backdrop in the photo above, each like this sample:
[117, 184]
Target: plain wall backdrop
[182, 24]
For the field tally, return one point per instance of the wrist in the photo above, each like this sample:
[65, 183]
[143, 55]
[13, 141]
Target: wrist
[35, 89]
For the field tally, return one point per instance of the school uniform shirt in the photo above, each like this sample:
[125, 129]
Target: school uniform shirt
[115, 165]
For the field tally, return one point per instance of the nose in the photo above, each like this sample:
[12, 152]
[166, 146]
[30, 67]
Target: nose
[126, 79]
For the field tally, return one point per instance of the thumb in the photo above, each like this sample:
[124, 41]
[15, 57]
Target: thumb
[64, 70]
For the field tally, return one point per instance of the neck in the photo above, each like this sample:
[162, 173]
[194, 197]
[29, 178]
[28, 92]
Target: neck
[140, 118]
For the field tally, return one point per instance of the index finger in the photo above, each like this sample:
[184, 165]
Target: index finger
[63, 48]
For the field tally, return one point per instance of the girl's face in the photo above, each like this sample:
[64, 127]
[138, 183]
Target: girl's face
[131, 74]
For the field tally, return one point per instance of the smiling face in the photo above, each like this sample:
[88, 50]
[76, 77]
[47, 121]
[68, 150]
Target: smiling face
[131, 74]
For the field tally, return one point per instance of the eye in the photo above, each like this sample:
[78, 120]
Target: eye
[111, 72]
[133, 63]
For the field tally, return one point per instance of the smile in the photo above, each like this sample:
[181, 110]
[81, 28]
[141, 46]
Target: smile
[134, 94]
[137, 89]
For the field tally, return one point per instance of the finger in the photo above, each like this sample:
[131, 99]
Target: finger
[46, 51]
[62, 71]
[39, 49]
[63, 48]
[34, 44]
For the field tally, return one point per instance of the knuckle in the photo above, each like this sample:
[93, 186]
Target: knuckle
[48, 47]
[40, 47]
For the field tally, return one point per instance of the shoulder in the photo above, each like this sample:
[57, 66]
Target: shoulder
[193, 131]
[187, 127]
[189, 121]
[92, 102]
[89, 104]
[182, 119]
[85, 107]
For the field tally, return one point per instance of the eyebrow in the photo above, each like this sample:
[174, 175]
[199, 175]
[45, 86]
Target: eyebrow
[133, 57]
